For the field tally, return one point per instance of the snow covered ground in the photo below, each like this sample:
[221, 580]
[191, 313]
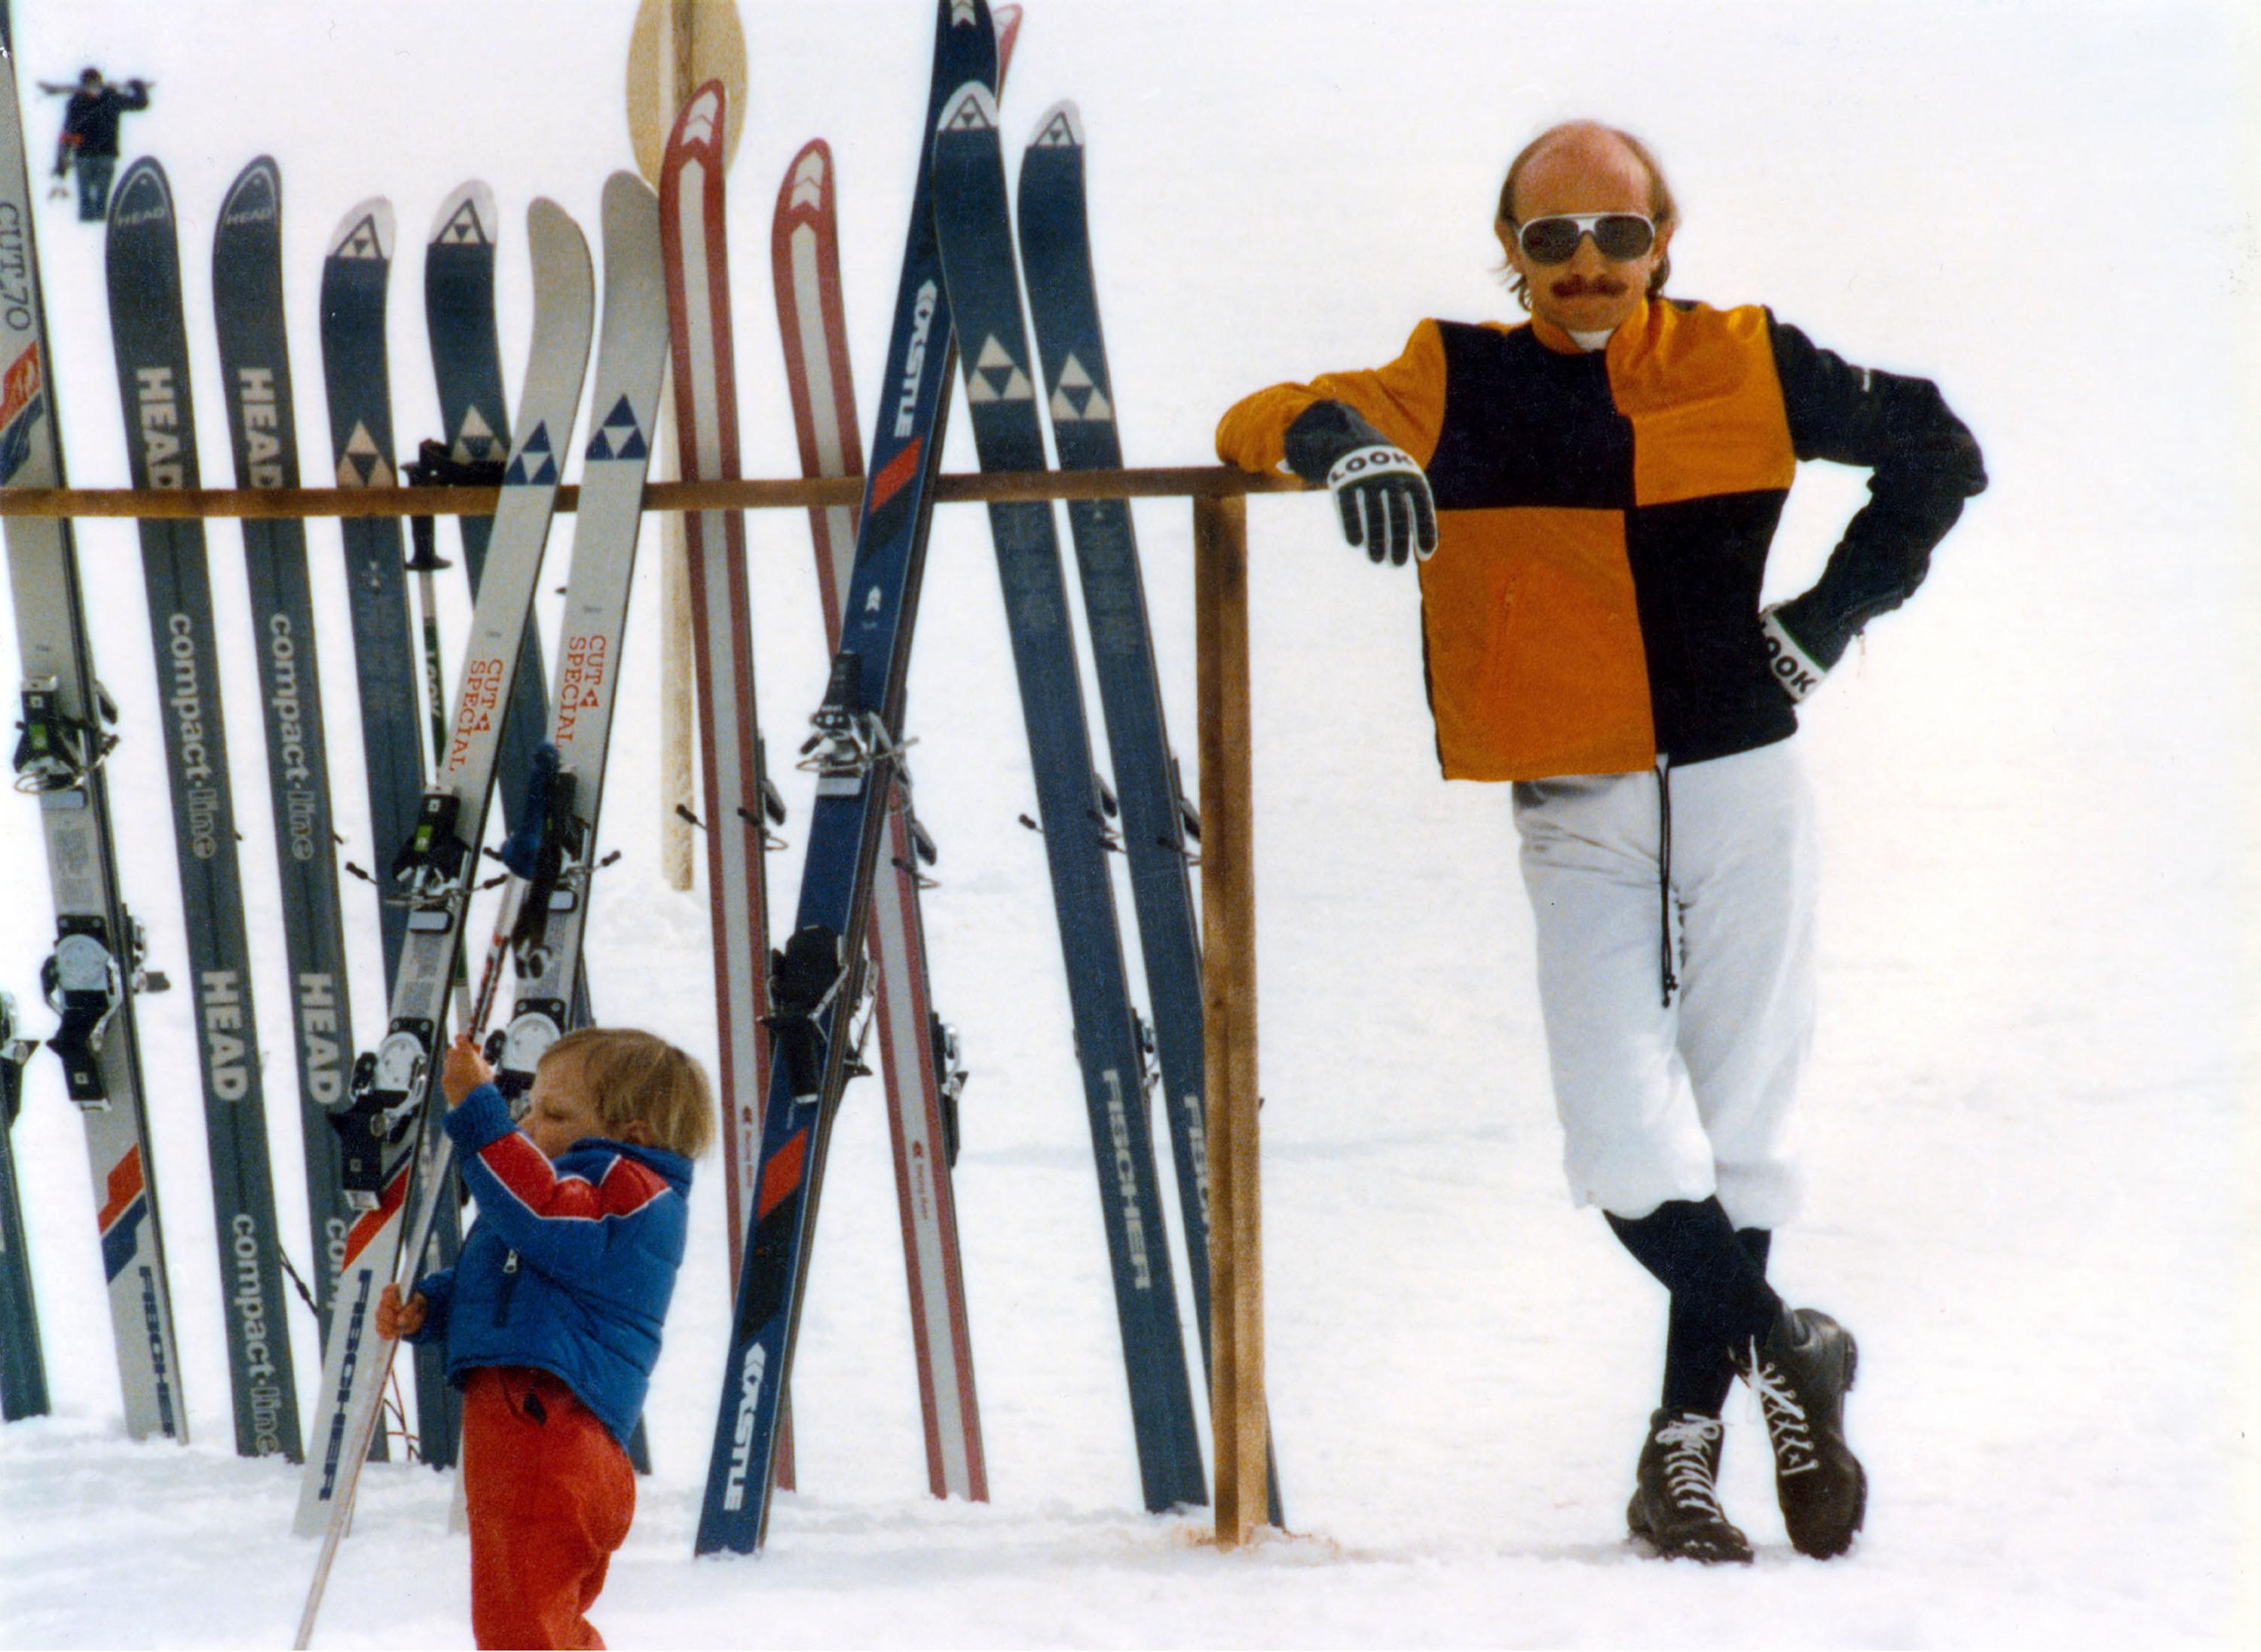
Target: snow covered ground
[2028, 1108]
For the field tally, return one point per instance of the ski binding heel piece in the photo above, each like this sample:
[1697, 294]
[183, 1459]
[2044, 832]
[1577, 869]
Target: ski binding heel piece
[388, 1090]
[83, 984]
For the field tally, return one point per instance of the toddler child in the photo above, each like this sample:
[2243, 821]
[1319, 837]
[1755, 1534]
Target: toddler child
[551, 1315]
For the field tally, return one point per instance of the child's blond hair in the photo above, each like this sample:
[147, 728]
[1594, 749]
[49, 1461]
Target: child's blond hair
[627, 1075]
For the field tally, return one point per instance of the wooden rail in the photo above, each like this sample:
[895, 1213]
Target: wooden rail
[1199, 481]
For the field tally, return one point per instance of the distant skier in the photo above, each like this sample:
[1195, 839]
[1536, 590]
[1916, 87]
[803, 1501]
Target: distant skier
[89, 137]
[1591, 497]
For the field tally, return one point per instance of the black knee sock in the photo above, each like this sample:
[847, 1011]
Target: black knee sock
[1720, 1299]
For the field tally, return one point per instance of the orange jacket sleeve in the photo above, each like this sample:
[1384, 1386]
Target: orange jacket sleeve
[1404, 401]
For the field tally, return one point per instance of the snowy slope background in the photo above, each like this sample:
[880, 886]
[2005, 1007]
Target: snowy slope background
[2031, 1164]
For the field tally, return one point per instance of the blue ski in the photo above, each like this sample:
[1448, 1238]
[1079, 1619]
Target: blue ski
[1157, 817]
[975, 229]
[855, 753]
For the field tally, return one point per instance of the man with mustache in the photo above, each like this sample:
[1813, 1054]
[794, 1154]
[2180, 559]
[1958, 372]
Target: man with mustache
[1590, 497]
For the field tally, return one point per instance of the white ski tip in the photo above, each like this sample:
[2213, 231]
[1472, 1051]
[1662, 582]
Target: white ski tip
[973, 107]
[1060, 127]
[366, 232]
[629, 201]
[701, 124]
[808, 180]
[558, 249]
[466, 218]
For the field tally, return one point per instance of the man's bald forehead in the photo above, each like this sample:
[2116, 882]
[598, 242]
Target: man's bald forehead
[1578, 151]
[1589, 146]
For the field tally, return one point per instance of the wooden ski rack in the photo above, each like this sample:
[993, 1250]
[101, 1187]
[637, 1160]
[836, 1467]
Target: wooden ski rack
[1236, 1400]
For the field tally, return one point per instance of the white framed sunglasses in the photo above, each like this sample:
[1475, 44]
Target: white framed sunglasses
[1619, 237]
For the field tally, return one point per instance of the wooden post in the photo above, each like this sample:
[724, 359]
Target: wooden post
[1235, 1251]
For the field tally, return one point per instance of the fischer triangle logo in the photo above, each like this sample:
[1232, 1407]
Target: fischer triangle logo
[619, 436]
[966, 113]
[997, 377]
[1077, 400]
[534, 464]
[475, 443]
[360, 241]
[464, 228]
[1059, 133]
[363, 464]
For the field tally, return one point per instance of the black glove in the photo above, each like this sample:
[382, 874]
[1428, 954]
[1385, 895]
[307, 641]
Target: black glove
[1797, 668]
[1382, 495]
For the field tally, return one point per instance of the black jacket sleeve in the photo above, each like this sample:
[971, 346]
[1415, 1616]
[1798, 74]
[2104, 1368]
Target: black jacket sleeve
[1924, 464]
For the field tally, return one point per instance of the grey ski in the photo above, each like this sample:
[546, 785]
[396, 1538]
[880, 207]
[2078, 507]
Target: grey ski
[92, 976]
[434, 871]
[151, 341]
[459, 262]
[631, 359]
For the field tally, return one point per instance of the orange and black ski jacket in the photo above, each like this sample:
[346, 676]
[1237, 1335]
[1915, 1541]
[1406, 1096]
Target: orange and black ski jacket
[1603, 519]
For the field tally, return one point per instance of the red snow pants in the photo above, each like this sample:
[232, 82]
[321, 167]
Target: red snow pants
[550, 1495]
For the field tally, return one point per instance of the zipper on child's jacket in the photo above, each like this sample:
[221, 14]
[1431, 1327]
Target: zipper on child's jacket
[509, 1284]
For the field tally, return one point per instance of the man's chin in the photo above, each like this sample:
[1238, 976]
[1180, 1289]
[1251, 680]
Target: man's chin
[1588, 315]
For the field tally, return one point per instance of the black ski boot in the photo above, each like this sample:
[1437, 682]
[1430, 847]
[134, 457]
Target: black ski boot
[1676, 1498]
[1801, 1373]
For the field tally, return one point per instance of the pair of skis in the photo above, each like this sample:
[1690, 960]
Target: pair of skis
[918, 1051]
[1076, 808]
[437, 866]
[855, 753]
[436, 869]
[1157, 821]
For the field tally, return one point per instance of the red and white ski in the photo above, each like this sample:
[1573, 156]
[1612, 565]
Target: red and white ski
[917, 1052]
[739, 798]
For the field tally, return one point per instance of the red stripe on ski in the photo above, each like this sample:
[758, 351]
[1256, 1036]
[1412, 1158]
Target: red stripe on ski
[896, 473]
[121, 1187]
[782, 1175]
[373, 1223]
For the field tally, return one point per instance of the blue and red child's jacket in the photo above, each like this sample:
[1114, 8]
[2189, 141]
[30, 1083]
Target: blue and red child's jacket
[569, 1266]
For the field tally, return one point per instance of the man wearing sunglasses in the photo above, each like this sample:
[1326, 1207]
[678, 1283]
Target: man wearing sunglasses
[1590, 498]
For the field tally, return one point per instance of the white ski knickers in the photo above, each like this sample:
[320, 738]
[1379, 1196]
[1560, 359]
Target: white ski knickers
[1696, 1097]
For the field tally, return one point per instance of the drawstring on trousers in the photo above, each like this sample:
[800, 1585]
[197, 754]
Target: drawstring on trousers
[1664, 875]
